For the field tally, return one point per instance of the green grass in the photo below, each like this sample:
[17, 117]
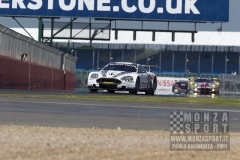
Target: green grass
[231, 102]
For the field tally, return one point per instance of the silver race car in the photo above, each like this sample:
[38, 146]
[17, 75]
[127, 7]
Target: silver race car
[204, 85]
[123, 76]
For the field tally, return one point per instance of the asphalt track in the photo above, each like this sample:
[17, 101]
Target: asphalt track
[101, 114]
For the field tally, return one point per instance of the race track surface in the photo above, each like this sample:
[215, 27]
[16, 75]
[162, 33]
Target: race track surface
[101, 114]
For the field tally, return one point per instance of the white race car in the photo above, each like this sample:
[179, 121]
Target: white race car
[123, 76]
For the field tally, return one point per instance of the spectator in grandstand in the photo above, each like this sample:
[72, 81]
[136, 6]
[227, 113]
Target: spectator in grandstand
[232, 73]
[235, 73]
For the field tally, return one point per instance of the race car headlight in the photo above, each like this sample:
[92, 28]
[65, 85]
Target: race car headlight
[94, 76]
[127, 78]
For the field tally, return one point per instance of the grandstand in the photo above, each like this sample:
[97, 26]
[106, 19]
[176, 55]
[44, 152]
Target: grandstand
[210, 53]
[169, 59]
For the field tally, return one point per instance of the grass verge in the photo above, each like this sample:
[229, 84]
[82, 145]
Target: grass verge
[226, 102]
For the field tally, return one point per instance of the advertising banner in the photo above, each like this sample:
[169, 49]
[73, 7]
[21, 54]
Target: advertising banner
[170, 10]
[167, 82]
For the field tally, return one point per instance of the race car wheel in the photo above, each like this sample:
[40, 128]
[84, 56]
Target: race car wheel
[152, 87]
[137, 87]
[155, 84]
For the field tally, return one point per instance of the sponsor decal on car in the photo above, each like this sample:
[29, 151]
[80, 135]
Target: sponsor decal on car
[108, 82]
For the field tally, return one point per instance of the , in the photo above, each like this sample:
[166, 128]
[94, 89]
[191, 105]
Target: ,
[123, 76]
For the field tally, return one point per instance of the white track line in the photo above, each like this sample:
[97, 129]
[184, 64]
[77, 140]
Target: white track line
[106, 105]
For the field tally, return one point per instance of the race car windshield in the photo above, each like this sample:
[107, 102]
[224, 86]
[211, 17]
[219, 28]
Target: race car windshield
[203, 80]
[126, 68]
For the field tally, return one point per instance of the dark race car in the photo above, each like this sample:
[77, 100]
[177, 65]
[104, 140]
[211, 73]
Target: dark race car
[180, 87]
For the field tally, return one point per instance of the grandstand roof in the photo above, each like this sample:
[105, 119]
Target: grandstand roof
[201, 38]
[126, 37]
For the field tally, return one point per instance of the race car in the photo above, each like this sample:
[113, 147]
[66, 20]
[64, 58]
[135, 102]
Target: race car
[180, 87]
[123, 76]
[204, 85]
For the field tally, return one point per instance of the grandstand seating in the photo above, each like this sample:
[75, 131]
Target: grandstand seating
[232, 65]
[205, 62]
[179, 61]
[85, 60]
[219, 62]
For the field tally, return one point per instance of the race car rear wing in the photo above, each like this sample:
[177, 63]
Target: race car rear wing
[191, 78]
[149, 67]
[194, 78]
[216, 79]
